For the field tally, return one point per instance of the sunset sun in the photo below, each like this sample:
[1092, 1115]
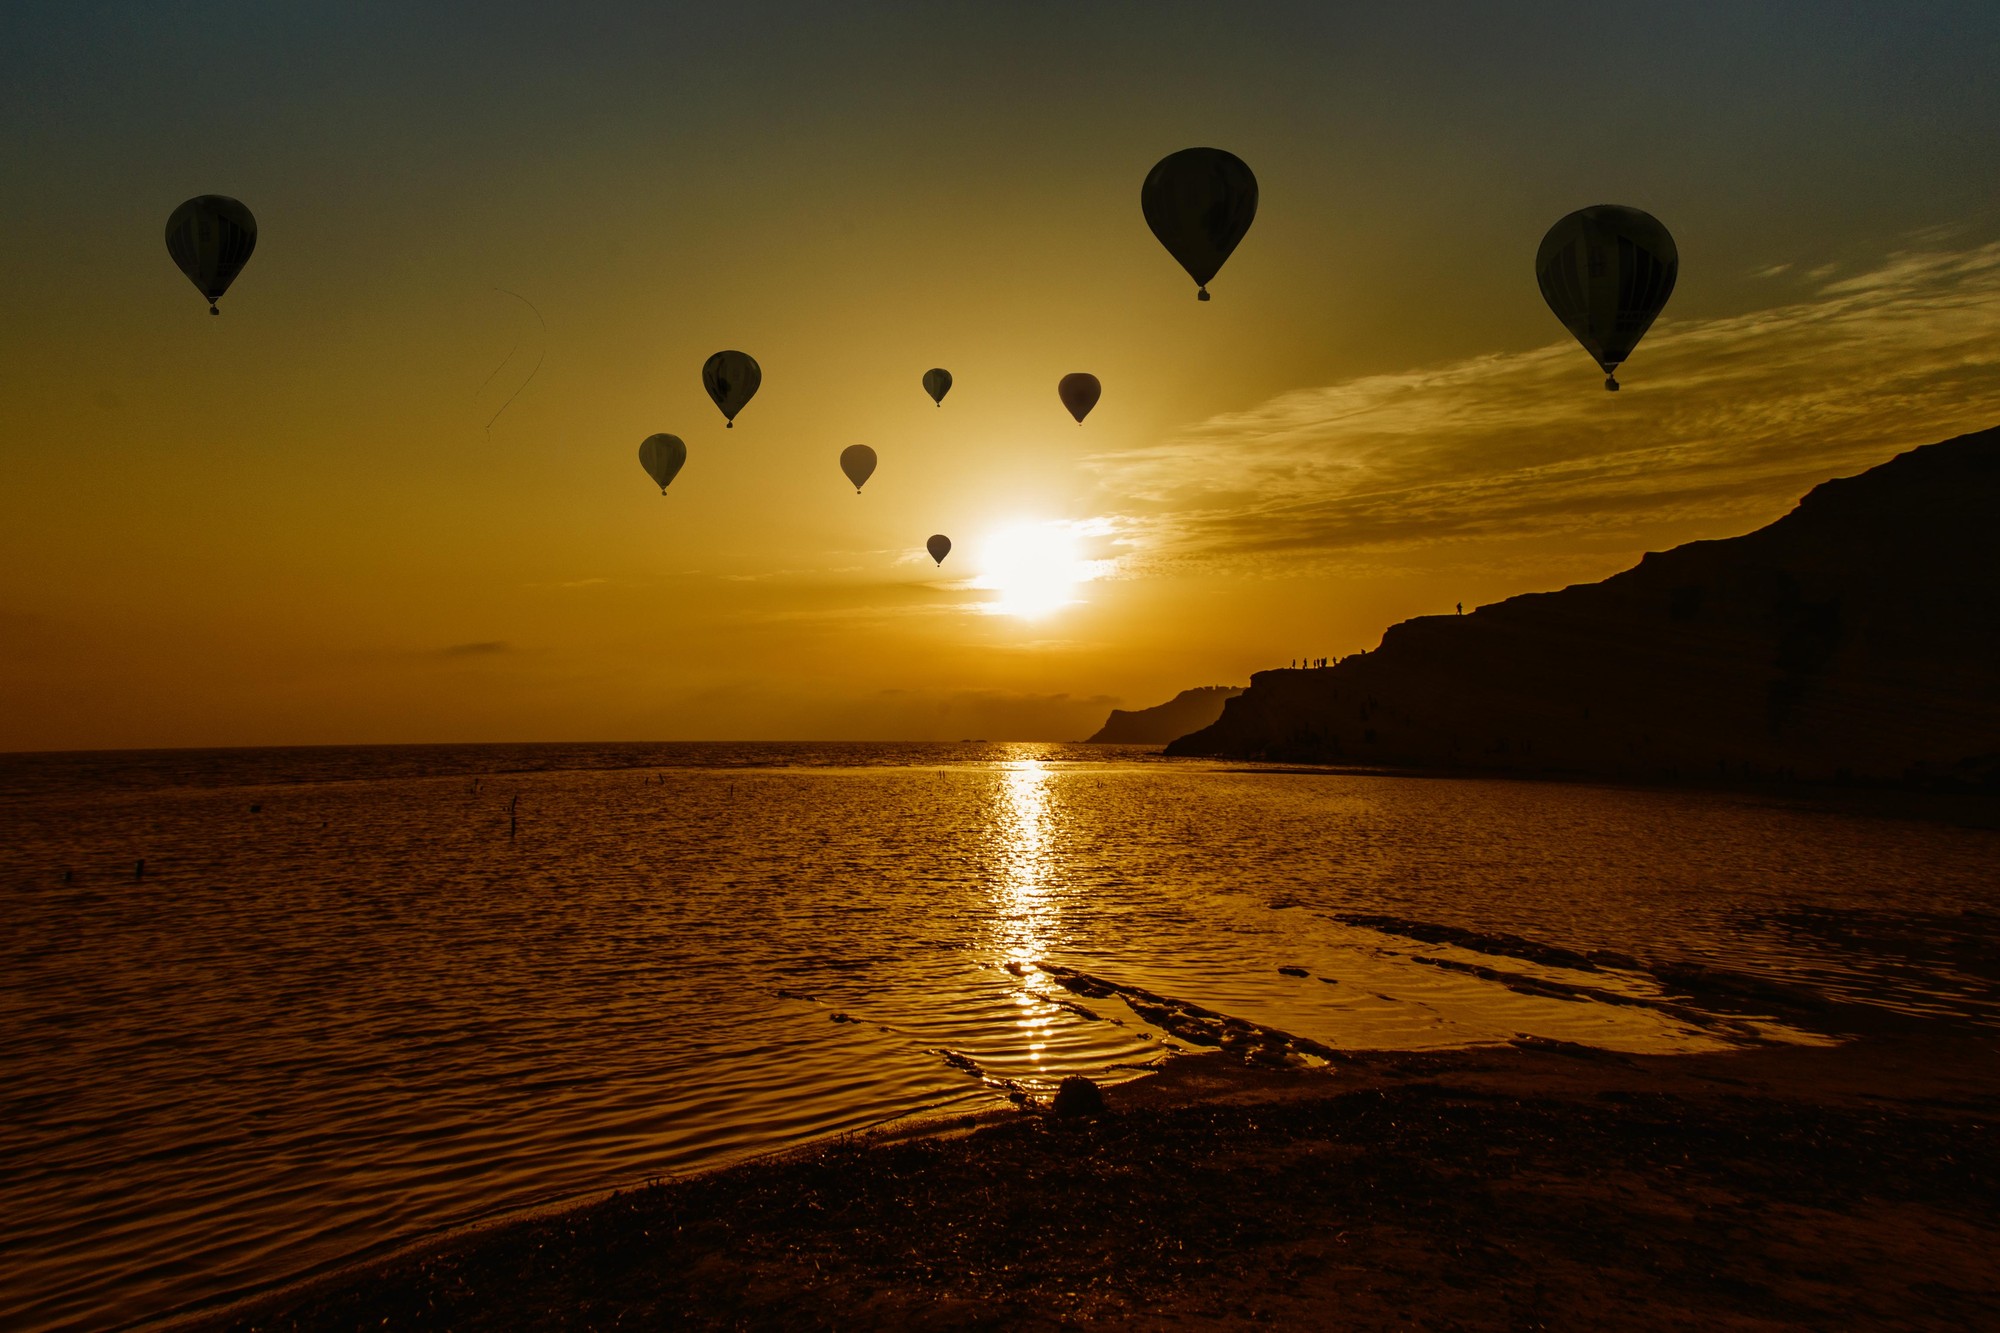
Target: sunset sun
[884, 665]
[1035, 567]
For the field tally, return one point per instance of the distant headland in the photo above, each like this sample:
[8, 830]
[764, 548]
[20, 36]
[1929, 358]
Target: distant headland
[1190, 710]
[1856, 638]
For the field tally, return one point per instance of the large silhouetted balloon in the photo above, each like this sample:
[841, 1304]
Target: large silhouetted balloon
[211, 237]
[1199, 202]
[858, 462]
[662, 456]
[1607, 272]
[937, 383]
[1079, 393]
[731, 379]
[939, 546]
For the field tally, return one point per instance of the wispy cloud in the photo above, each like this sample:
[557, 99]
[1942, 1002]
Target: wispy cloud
[486, 648]
[1720, 418]
[816, 574]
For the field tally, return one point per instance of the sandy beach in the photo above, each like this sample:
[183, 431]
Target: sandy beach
[1530, 1186]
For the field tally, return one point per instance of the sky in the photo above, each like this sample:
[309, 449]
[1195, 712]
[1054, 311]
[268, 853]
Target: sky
[392, 493]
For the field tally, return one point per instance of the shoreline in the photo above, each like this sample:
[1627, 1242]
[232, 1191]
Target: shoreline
[1966, 805]
[220, 1311]
[1855, 1185]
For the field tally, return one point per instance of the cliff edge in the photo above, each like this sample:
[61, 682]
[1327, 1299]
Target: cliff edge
[1858, 637]
[1190, 710]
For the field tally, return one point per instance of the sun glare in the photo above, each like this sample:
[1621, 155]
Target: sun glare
[1035, 567]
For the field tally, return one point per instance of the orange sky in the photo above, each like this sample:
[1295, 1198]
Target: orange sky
[290, 524]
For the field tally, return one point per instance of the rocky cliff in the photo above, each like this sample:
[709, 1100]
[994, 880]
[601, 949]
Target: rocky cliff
[1857, 637]
[1190, 710]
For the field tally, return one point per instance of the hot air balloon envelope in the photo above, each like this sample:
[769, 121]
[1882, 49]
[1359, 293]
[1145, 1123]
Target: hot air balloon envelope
[1079, 393]
[662, 456]
[731, 379]
[210, 238]
[1199, 203]
[1607, 272]
[858, 462]
[937, 383]
[939, 546]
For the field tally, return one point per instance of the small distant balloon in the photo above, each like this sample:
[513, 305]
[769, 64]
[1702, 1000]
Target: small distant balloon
[937, 383]
[731, 379]
[1607, 272]
[210, 238]
[858, 462]
[939, 546]
[663, 456]
[1199, 203]
[1079, 393]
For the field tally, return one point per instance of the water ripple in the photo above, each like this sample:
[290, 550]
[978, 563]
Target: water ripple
[363, 995]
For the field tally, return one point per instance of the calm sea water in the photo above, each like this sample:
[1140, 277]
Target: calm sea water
[360, 996]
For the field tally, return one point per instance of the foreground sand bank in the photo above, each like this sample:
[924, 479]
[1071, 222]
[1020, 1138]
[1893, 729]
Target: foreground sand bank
[1531, 1186]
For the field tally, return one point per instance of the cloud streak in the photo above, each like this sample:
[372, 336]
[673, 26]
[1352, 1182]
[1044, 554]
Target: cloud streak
[1721, 419]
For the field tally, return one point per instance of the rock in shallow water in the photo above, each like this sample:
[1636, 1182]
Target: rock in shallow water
[1077, 1096]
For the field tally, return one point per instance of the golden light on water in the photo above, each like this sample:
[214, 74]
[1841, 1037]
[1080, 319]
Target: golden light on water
[1023, 832]
[1027, 913]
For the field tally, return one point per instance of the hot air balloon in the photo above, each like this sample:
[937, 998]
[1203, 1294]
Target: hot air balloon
[662, 457]
[858, 462]
[211, 237]
[731, 379]
[1607, 272]
[1079, 393]
[1199, 202]
[939, 546]
[937, 383]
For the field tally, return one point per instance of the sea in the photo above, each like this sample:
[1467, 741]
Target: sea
[266, 1013]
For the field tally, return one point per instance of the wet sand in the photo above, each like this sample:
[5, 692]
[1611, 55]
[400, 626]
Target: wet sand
[1536, 1185]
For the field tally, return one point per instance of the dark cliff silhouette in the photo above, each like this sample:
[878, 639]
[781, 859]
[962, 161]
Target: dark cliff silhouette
[1856, 638]
[1190, 710]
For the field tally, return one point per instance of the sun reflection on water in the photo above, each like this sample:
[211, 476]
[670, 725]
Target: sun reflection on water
[709, 916]
[1027, 914]
[1027, 906]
